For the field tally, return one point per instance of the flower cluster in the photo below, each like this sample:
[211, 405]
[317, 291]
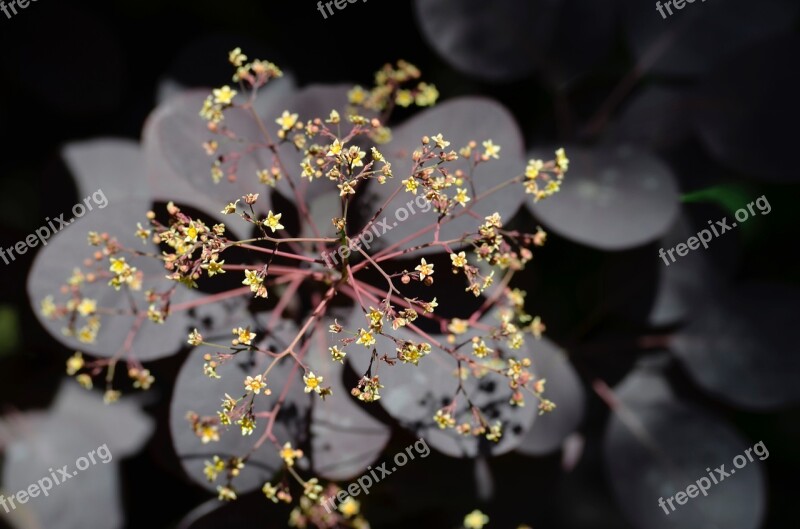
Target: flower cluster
[340, 151]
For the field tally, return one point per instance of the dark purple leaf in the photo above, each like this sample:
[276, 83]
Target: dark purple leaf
[740, 346]
[612, 198]
[657, 445]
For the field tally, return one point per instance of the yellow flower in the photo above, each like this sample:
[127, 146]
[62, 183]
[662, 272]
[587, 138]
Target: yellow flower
[335, 148]
[236, 57]
[253, 279]
[270, 492]
[427, 95]
[491, 150]
[245, 336]
[356, 156]
[459, 259]
[462, 197]
[346, 188]
[375, 319]
[429, 306]
[224, 95]
[214, 267]
[225, 493]
[87, 335]
[312, 488]
[424, 268]
[287, 121]
[444, 419]
[357, 95]
[191, 233]
[495, 433]
[84, 380]
[87, 307]
[142, 378]
[404, 98]
[75, 363]
[312, 382]
[230, 208]
[562, 162]
[537, 327]
[411, 185]
[213, 468]
[195, 338]
[118, 266]
[533, 168]
[289, 454]
[337, 354]
[365, 338]
[458, 326]
[111, 396]
[255, 384]
[273, 221]
[48, 308]
[248, 424]
[480, 349]
[440, 141]
[349, 507]
[475, 520]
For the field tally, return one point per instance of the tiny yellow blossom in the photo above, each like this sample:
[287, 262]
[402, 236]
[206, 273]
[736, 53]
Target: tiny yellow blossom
[458, 326]
[459, 259]
[195, 338]
[357, 95]
[462, 197]
[213, 468]
[404, 98]
[245, 336]
[236, 57]
[287, 121]
[84, 380]
[111, 396]
[48, 308]
[273, 221]
[365, 338]
[214, 267]
[411, 184]
[87, 307]
[75, 363]
[230, 208]
[225, 493]
[256, 384]
[335, 148]
[440, 141]
[289, 454]
[349, 507]
[337, 354]
[224, 95]
[491, 150]
[444, 419]
[562, 162]
[424, 268]
[270, 492]
[312, 382]
[475, 520]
